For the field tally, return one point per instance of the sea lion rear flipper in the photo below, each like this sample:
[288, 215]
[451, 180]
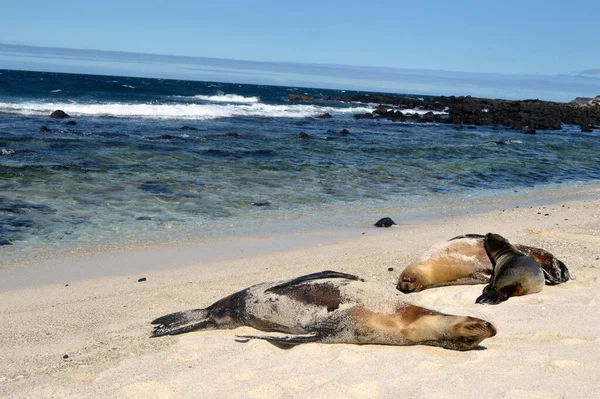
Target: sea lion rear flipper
[467, 236]
[181, 322]
[313, 276]
[285, 342]
[556, 273]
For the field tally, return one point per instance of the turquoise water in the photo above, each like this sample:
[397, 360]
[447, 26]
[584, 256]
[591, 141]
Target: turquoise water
[158, 159]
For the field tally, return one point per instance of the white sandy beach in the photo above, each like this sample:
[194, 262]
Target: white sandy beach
[90, 338]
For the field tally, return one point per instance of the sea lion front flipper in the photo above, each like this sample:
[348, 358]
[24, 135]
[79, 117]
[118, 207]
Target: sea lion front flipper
[285, 342]
[491, 297]
[313, 276]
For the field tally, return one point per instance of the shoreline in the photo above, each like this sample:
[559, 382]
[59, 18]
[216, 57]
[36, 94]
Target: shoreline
[110, 260]
[102, 324]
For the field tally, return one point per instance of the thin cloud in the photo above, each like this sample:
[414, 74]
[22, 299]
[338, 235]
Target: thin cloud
[593, 71]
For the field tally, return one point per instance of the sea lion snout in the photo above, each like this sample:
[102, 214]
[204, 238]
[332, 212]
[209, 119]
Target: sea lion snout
[407, 284]
[470, 332]
[488, 326]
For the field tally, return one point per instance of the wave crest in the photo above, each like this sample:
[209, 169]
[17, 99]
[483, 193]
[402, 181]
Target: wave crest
[221, 97]
[177, 110]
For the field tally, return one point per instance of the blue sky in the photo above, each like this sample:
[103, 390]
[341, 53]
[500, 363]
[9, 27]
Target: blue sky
[503, 38]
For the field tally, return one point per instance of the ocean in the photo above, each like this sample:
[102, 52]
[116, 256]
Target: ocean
[158, 159]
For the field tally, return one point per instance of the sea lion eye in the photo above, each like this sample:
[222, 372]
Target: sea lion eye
[468, 341]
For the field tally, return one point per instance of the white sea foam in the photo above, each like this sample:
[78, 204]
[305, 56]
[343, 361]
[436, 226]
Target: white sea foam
[177, 111]
[421, 111]
[227, 98]
[55, 91]
[129, 86]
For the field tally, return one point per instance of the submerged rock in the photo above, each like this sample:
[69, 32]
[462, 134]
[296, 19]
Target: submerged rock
[300, 97]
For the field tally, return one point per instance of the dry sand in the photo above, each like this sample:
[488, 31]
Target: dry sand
[91, 338]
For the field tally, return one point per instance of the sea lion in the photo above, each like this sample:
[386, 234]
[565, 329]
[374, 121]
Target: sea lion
[463, 260]
[514, 273]
[330, 307]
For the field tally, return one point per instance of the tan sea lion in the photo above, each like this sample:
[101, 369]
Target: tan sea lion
[330, 307]
[514, 273]
[463, 260]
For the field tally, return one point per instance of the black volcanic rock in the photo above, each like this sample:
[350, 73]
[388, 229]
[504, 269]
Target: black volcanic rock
[366, 115]
[587, 129]
[59, 114]
[300, 97]
[428, 117]
[385, 222]
[467, 110]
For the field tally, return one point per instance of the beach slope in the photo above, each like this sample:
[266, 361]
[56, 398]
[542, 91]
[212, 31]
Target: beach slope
[91, 338]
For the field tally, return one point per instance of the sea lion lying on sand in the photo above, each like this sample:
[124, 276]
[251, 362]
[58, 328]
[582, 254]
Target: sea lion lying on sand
[463, 260]
[330, 307]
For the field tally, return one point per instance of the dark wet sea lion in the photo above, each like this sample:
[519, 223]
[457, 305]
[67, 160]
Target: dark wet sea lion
[513, 274]
[463, 260]
[330, 307]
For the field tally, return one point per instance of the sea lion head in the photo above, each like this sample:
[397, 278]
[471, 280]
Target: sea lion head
[468, 333]
[428, 327]
[495, 245]
[452, 332]
[412, 279]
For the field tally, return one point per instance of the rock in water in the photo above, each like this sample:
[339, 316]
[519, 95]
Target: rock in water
[59, 114]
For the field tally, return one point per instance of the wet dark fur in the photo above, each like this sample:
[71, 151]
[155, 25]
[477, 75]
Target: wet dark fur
[555, 271]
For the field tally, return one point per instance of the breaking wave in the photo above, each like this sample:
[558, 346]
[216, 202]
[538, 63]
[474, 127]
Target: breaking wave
[177, 110]
[228, 98]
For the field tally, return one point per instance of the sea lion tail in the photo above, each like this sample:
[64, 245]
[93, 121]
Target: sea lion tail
[557, 273]
[285, 342]
[181, 322]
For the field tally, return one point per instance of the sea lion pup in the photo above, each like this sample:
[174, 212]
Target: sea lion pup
[513, 274]
[463, 260]
[330, 307]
